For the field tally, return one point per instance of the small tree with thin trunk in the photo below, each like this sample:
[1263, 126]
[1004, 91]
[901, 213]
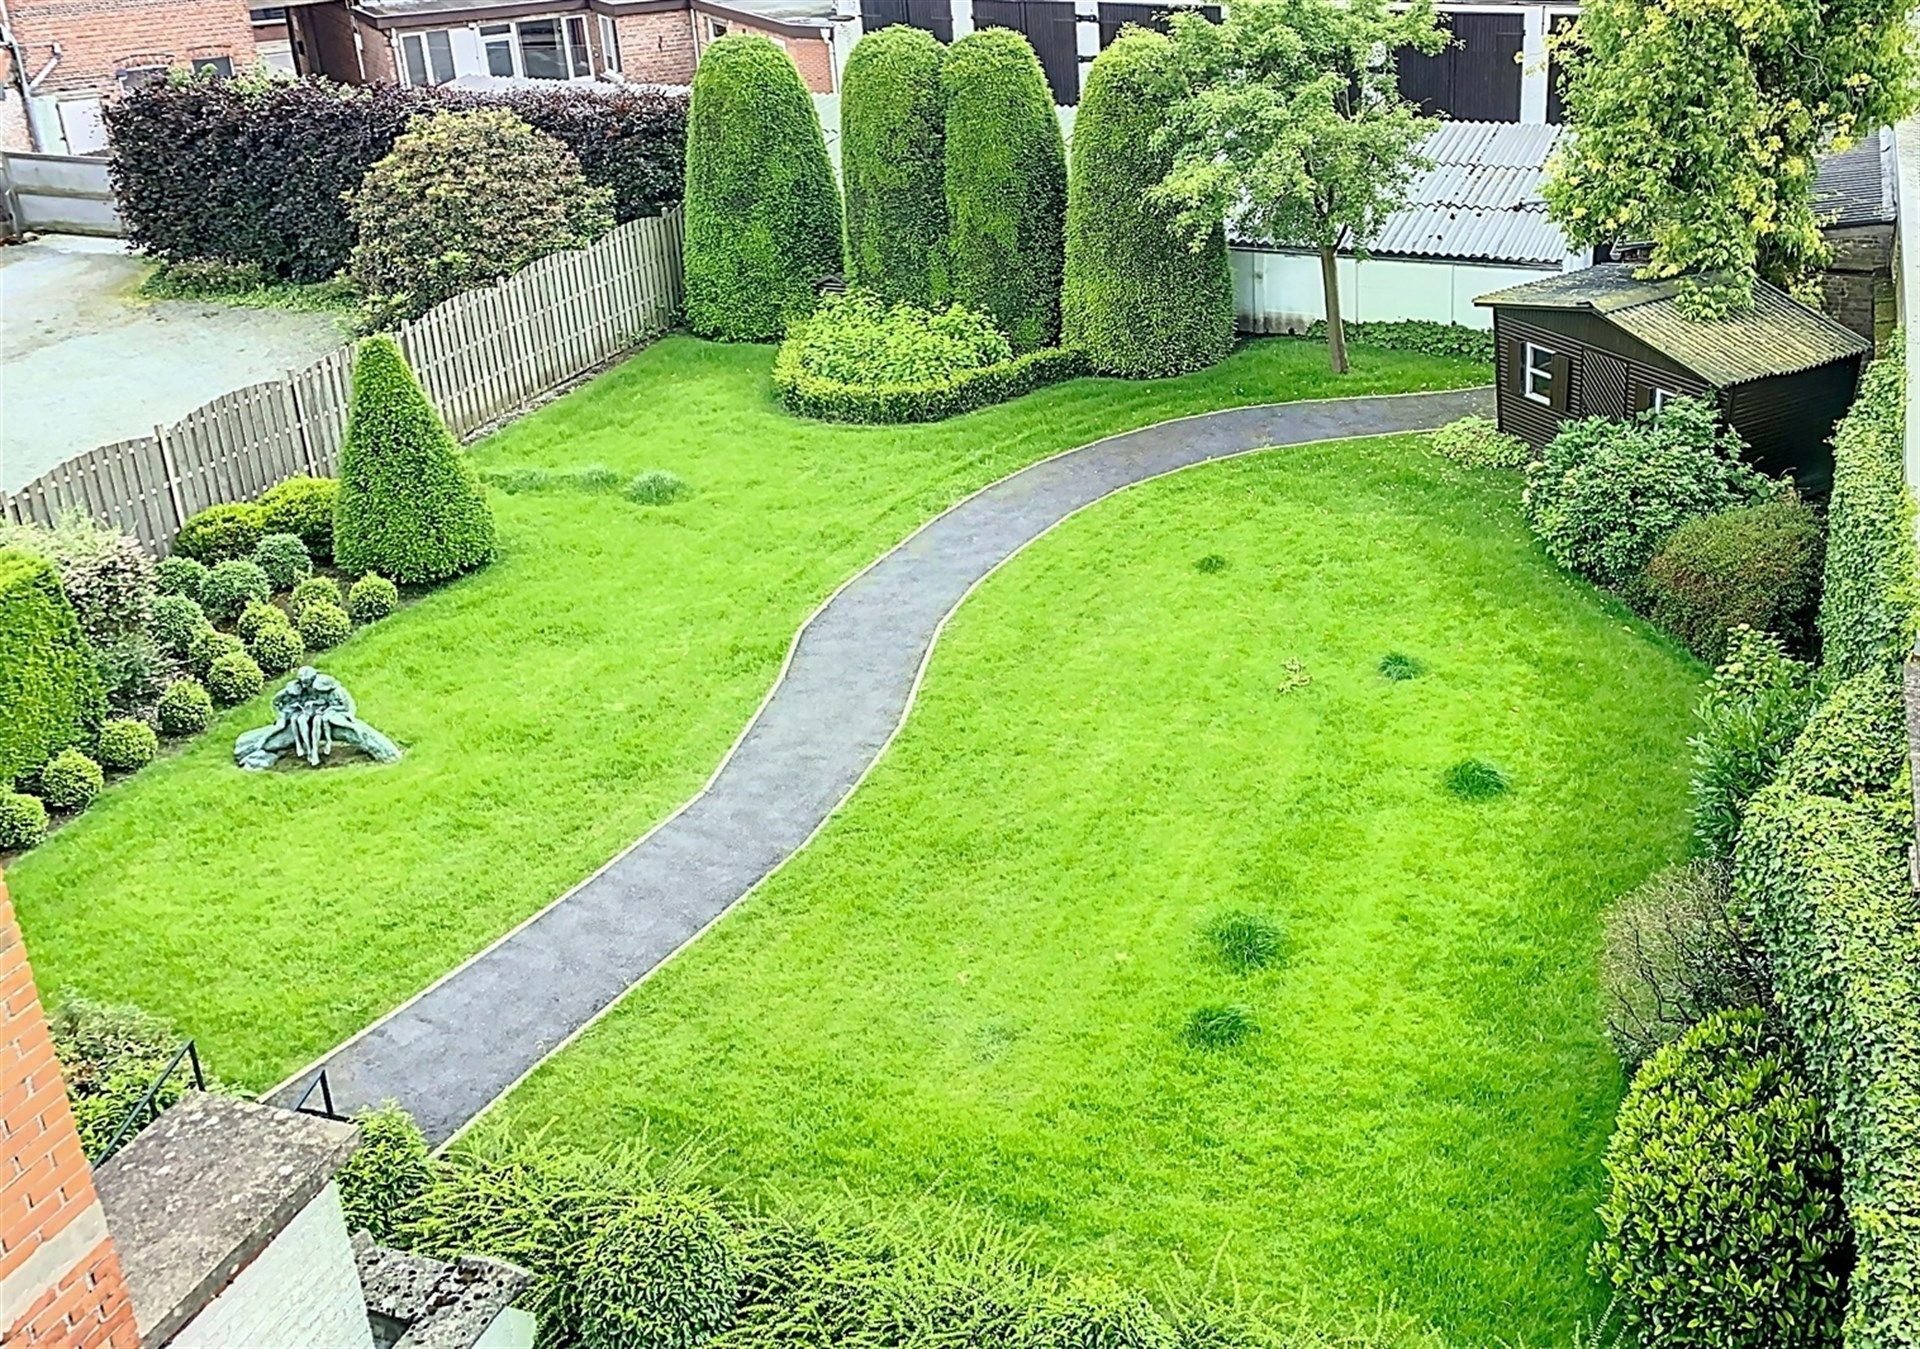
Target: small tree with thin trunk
[1290, 123]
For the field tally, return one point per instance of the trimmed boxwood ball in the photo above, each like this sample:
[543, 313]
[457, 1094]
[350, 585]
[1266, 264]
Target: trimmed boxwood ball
[257, 615]
[1723, 1221]
[178, 575]
[409, 505]
[126, 744]
[663, 1270]
[302, 507]
[1136, 298]
[230, 585]
[208, 645]
[23, 821]
[234, 678]
[176, 619]
[893, 159]
[1006, 185]
[276, 648]
[284, 558]
[311, 589]
[219, 533]
[70, 780]
[184, 708]
[762, 211]
[372, 598]
[323, 625]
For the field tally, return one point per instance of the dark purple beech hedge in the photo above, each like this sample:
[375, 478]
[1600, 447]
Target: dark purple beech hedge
[254, 171]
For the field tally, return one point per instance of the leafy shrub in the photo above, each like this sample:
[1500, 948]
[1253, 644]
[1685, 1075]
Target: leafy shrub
[324, 625]
[1722, 1217]
[70, 780]
[257, 615]
[175, 621]
[1006, 186]
[1672, 954]
[372, 598]
[200, 278]
[1398, 666]
[1135, 297]
[23, 821]
[208, 646]
[655, 487]
[462, 200]
[661, 1274]
[302, 507]
[1218, 1025]
[220, 533]
[1756, 704]
[129, 672]
[893, 161]
[1478, 442]
[311, 589]
[180, 575]
[1423, 336]
[1856, 746]
[763, 213]
[283, 558]
[109, 1056]
[1475, 780]
[184, 708]
[127, 744]
[49, 683]
[1606, 494]
[276, 648]
[1245, 941]
[107, 576]
[409, 505]
[231, 586]
[388, 1174]
[234, 678]
[1757, 566]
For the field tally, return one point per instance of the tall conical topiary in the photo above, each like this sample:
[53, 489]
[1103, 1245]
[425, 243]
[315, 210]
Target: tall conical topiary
[893, 158]
[1137, 299]
[409, 507]
[762, 211]
[1006, 185]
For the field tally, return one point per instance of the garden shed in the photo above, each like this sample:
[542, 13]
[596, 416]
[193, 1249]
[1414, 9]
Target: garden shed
[1601, 342]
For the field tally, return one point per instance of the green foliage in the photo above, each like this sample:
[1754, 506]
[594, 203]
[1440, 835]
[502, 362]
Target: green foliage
[1422, 335]
[219, 533]
[1398, 665]
[176, 619]
[324, 625]
[1606, 494]
[107, 576]
[1699, 129]
[23, 821]
[462, 200]
[312, 589]
[1245, 942]
[1218, 1025]
[1475, 780]
[372, 598]
[1755, 707]
[1755, 566]
[49, 684]
[284, 558]
[209, 645]
[109, 1056]
[893, 160]
[384, 1181]
[409, 506]
[234, 678]
[1854, 747]
[1211, 565]
[302, 507]
[1870, 607]
[127, 744]
[184, 708]
[1006, 186]
[231, 586]
[70, 780]
[1478, 442]
[1136, 298]
[762, 210]
[180, 575]
[276, 648]
[655, 487]
[592, 479]
[257, 615]
[128, 671]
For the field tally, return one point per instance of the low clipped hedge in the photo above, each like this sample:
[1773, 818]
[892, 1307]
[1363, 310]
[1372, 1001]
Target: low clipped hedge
[49, 684]
[926, 400]
[1425, 336]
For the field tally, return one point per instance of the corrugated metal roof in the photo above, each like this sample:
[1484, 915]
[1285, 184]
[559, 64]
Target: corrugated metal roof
[1778, 336]
[1856, 187]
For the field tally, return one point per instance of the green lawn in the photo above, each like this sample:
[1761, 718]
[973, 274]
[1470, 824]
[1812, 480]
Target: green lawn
[969, 991]
[552, 707]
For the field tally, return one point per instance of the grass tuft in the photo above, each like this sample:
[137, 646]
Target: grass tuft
[1244, 942]
[1397, 665]
[1210, 564]
[1218, 1025]
[593, 479]
[1476, 780]
[656, 487]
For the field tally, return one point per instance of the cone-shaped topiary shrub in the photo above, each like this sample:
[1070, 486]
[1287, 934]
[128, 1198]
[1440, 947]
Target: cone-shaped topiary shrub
[1136, 299]
[762, 211]
[50, 692]
[409, 506]
[893, 133]
[1006, 185]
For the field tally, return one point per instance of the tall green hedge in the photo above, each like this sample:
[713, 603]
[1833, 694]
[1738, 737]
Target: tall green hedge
[1869, 609]
[409, 506]
[1006, 185]
[49, 686]
[763, 214]
[893, 158]
[1137, 299]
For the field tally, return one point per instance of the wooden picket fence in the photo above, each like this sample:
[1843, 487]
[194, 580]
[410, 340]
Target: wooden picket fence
[480, 356]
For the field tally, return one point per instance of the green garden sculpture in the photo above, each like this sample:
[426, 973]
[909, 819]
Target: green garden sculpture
[311, 714]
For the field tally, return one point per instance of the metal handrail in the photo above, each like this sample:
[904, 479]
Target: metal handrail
[325, 1088]
[145, 1105]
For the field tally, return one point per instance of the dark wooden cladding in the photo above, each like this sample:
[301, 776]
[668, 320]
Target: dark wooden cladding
[1050, 26]
[1114, 16]
[1556, 73]
[1477, 77]
[1782, 418]
[933, 16]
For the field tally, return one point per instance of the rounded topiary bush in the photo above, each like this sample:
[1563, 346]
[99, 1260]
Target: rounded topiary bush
[276, 648]
[219, 533]
[314, 588]
[1136, 298]
[302, 507]
[409, 506]
[284, 558]
[70, 780]
[665, 1270]
[207, 646]
[23, 821]
[1756, 565]
[387, 1174]
[257, 615]
[893, 160]
[1006, 185]
[324, 625]
[230, 585]
[1723, 1221]
[762, 211]
[127, 744]
[176, 619]
[234, 678]
[372, 598]
[179, 575]
[184, 708]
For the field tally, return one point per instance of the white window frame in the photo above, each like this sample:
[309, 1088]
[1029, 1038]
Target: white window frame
[609, 44]
[1537, 374]
[1662, 397]
[574, 51]
[423, 37]
[716, 28]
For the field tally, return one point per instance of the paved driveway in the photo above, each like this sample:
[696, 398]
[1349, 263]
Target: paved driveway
[84, 361]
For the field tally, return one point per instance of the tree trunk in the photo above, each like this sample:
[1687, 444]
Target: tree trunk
[1336, 329]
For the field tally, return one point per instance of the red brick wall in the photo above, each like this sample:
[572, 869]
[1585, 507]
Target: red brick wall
[656, 48]
[810, 54]
[61, 1281]
[98, 38]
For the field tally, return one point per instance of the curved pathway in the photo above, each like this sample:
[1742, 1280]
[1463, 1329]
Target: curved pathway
[849, 681]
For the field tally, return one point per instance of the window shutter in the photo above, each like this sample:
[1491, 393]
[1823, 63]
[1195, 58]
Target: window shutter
[1517, 366]
[1562, 367]
[1642, 396]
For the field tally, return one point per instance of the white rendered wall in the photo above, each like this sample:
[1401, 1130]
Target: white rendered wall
[1280, 292]
[301, 1292]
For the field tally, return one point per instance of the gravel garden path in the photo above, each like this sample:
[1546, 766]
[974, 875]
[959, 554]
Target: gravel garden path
[849, 683]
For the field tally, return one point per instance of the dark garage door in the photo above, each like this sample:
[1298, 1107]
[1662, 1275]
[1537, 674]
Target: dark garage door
[936, 16]
[1049, 26]
[1112, 16]
[1477, 78]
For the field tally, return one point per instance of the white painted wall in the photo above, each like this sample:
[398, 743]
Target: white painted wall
[301, 1292]
[1280, 292]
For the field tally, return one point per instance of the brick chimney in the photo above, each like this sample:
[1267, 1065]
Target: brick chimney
[60, 1280]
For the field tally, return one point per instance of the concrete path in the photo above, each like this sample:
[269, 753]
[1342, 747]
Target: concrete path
[849, 682]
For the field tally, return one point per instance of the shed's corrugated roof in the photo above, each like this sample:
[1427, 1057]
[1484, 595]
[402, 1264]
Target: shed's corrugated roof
[1778, 336]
